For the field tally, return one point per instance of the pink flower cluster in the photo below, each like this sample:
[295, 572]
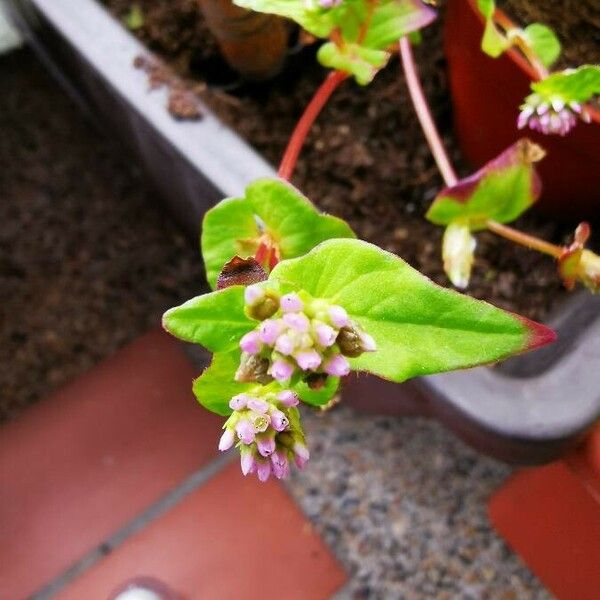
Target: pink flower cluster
[302, 335]
[267, 432]
[554, 116]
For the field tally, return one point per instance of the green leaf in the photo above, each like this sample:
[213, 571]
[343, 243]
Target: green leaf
[419, 327]
[487, 8]
[543, 42]
[571, 85]
[271, 207]
[318, 397]
[217, 320]
[502, 190]
[363, 63]
[317, 21]
[216, 386]
[394, 19]
[493, 42]
[359, 50]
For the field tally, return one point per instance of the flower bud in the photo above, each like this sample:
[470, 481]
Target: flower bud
[269, 331]
[282, 370]
[279, 421]
[337, 365]
[308, 360]
[458, 253]
[265, 445]
[288, 399]
[301, 454]
[325, 334]
[250, 343]
[291, 303]
[338, 316]
[247, 460]
[263, 470]
[589, 270]
[245, 431]
[258, 405]
[227, 440]
[263, 308]
[297, 321]
[238, 402]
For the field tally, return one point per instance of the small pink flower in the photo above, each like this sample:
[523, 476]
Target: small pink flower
[252, 294]
[258, 405]
[281, 369]
[308, 360]
[278, 420]
[367, 342]
[245, 431]
[291, 303]
[260, 422]
[265, 445]
[288, 398]
[269, 331]
[247, 462]
[280, 465]
[338, 316]
[337, 366]
[325, 335]
[239, 402]
[301, 455]
[297, 321]
[226, 440]
[285, 344]
[250, 343]
[263, 470]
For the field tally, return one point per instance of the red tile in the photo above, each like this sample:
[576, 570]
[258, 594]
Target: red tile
[232, 538]
[86, 460]
[550, 518]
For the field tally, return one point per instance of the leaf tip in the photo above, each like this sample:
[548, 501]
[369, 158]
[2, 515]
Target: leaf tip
[538, 335]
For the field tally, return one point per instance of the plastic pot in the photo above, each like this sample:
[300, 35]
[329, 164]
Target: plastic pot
[254, 44]
[486, 95]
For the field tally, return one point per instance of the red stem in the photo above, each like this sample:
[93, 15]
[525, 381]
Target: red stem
[318, 101]
[424, 115]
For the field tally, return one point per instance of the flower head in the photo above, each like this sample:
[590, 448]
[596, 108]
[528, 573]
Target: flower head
[304, 336]
[267, 432]
[550, 115]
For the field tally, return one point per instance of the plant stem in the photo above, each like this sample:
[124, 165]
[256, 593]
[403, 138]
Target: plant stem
[540, 70]
[318, 101]
[424, 115]
[523, 239]
[443, 162]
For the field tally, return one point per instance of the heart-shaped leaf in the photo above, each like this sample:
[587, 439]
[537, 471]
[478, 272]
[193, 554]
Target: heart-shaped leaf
[418, 326]
[217, 320]
[501, 190]
[272, 212]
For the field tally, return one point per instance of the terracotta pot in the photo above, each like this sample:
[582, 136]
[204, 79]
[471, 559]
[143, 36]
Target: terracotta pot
[486, 96]
[254, 44]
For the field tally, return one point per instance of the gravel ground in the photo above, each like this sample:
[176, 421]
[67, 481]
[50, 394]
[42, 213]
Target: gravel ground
[402, 503]
[88, 262]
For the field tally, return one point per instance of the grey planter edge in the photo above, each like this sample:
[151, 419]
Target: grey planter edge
[530, 412]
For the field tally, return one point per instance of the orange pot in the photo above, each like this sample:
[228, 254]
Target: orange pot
[486, 96]
[254, 44]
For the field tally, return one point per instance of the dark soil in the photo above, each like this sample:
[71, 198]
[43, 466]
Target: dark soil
[576, 23]
[87, 261]
[365, 159]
